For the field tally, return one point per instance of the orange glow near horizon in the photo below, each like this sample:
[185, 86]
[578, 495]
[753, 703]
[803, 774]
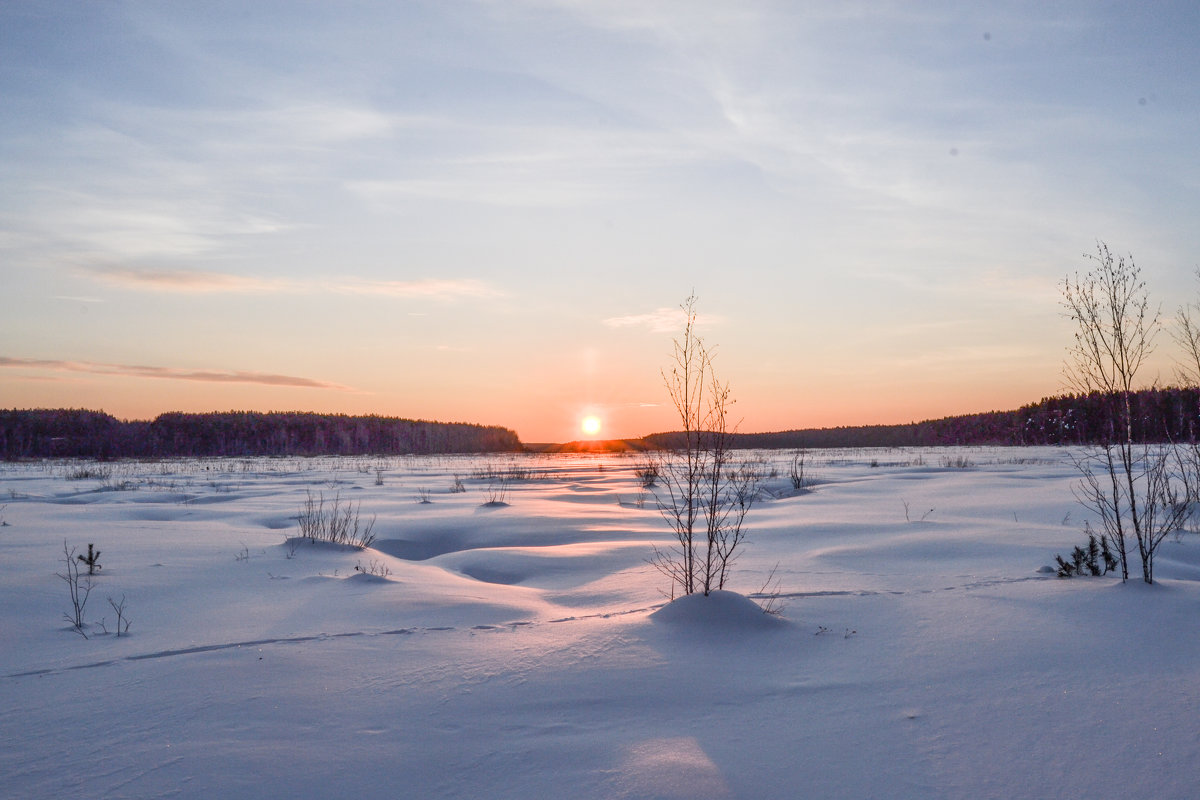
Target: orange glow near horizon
[618, 406]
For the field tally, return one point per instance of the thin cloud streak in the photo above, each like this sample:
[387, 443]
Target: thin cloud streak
[661, 320]
[425, 287]
[163, 280]
[159, 280]
[170, 373]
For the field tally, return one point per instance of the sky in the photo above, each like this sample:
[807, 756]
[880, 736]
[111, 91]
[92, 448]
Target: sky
[490, 212]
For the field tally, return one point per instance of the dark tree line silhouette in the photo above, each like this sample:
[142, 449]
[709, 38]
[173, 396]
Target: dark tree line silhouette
[78, 433]
[1159, 415]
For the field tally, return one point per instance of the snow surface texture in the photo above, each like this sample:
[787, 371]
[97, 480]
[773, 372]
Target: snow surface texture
[524, 650]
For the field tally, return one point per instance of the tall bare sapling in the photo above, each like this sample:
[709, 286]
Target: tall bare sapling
[703, 495]
[1131, 488]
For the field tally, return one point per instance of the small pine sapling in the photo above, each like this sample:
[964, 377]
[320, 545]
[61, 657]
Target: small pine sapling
[92, 559]
[1096, 559]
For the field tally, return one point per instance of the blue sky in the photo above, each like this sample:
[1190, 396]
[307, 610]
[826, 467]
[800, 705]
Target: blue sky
[486, 211]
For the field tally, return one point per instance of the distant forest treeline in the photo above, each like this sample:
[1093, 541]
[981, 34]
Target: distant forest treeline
[1159, 415]
[68, 433]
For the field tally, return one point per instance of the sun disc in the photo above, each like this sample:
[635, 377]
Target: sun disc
[590, 425]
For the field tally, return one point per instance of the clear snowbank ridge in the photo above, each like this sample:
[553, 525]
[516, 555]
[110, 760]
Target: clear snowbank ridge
[526, 649]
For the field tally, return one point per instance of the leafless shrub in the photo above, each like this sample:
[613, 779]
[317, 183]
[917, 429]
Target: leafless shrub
[908, 518]
[83, 472]
[648, 472]
[796, 470]
[118, 482]
[338, 523]
[312, 517]
[516, 472]
[769, 595]
[376, 568]
[512, 471]
[111, 478]
[496, 494]
[79, 585]
[122, 620]
[487, 471]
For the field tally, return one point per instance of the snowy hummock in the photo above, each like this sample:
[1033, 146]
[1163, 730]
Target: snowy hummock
[718, 609]
[529, 650]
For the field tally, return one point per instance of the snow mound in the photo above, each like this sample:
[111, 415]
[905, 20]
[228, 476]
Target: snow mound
[319, 544]
[719, 609]
[367, 577]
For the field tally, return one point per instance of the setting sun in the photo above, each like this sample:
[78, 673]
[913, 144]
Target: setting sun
[590, 425]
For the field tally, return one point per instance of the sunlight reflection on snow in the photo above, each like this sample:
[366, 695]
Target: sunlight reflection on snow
[668, 768]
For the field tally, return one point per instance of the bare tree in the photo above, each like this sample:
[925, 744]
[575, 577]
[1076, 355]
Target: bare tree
[702, 493]
[1131, 489]
[1187, 335]
[1115, 328]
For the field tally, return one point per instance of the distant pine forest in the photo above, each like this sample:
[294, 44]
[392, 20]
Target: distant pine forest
[1159, 415]
[69, 433]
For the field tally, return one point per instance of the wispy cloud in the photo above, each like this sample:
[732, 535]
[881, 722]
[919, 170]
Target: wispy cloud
[174, 280]
[169, 373]
[164, 280]
[661, 320]
[425, 287]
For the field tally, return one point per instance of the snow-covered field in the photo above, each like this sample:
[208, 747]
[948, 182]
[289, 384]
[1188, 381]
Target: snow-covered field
[513, 650]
